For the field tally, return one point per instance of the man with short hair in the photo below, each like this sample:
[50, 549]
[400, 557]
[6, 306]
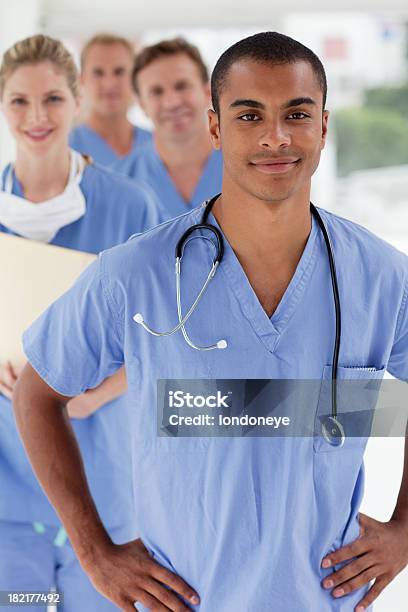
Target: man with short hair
[244, 522]
[107, 135]
[180, 165]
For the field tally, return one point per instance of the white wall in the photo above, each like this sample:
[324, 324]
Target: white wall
[384, 463]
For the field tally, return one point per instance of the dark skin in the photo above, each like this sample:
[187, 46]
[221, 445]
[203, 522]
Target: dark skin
[272, 131]
[123, 573]
[265, 217]
[264, 208]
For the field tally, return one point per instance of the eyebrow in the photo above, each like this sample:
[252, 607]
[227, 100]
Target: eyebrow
[246, 102]
[300, 102]
[47, 93]
[256, 104]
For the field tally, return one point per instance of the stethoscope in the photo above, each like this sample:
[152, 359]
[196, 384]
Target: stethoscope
[332, 429]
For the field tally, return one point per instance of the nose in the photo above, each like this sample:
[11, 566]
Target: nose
[109, 81]
[171, 99]
[37, 113]
[275, 135]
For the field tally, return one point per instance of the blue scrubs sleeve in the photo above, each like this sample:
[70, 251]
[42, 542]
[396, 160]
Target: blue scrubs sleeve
[78, 341]
[398, 362]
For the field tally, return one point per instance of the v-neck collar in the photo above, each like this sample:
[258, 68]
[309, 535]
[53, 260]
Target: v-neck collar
[101, 142]
[268, 329]
[206, 171]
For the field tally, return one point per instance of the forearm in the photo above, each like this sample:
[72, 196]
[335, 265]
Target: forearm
[55, 456]
[401, 509]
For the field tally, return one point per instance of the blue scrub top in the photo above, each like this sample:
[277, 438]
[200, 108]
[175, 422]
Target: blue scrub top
[245, 521]
[147, 166]
[115, 209]
[85, 140]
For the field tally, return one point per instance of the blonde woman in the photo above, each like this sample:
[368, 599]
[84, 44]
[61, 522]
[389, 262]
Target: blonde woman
[56, 195]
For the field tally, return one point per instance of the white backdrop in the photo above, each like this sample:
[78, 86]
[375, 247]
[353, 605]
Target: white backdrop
[74, 20]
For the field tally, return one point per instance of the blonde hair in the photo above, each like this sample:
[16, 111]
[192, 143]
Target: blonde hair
[37, 49]
[105, 38]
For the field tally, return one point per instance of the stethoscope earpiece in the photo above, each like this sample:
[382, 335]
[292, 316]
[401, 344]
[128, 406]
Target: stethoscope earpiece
[222, 344]
[182, 242]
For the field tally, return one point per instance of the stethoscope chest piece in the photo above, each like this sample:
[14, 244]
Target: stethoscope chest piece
[333, 431]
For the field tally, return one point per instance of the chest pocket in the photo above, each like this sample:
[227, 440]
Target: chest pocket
[357, 394]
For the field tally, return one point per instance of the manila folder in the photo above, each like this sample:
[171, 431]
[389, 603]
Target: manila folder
[32, 276]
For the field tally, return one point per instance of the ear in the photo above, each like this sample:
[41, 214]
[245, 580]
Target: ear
[214, 127]
[325, 121]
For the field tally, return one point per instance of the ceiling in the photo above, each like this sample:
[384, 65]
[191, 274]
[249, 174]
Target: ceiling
[133, 17]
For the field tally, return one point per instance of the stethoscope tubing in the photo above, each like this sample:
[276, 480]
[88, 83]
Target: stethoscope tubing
[332, 429]
[333, 274]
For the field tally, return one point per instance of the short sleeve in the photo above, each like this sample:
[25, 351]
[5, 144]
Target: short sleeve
[78, 341]
[398, 362]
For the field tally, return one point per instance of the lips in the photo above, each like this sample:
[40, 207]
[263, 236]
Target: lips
[275, 165]
[38, 135]
[111, 96]
[176, 115]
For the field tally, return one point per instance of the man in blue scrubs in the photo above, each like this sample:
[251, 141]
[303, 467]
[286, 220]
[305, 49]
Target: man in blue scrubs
[107, 135]
[179, 164]
[233, 523]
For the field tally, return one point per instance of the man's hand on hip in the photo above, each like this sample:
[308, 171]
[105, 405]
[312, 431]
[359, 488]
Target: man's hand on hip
[126, 574]
[380, 553]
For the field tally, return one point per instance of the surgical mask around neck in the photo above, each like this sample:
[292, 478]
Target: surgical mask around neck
[42, 220]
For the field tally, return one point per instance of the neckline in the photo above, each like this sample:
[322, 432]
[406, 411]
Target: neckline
[102, 141]
[205, 171]
[268, 329]
[16, 187]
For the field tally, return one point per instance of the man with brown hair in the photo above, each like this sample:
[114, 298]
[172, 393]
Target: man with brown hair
[179, 164]
[107, 134]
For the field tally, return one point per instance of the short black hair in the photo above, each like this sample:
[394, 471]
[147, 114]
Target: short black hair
[265, 48]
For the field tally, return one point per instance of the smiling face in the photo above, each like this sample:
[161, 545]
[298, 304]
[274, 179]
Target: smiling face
[106, 79]
[39, 108]
[172, 93]
[271, 128]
